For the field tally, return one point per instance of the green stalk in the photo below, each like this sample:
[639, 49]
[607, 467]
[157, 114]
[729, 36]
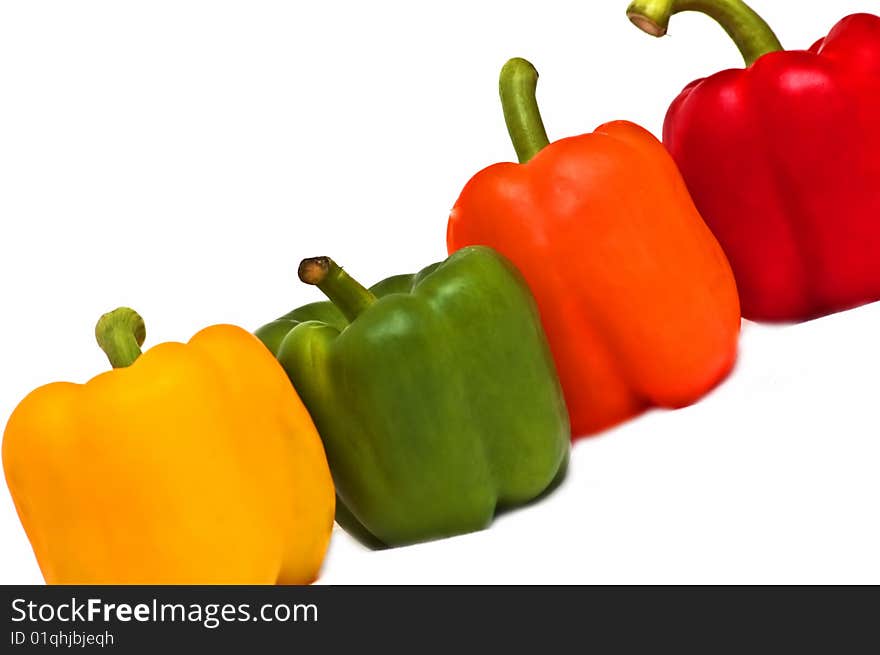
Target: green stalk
[517, 85]
[120, 335]
[751, 34]
[349, 295]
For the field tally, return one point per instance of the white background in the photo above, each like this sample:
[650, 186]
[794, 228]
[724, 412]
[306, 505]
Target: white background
[182, 157]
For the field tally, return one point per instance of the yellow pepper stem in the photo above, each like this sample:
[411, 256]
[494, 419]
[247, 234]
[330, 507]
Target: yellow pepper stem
[120, 335]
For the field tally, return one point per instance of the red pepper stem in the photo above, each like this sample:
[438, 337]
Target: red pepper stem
[120, 335]
[517, 86]
[751, 34]
[349, 295]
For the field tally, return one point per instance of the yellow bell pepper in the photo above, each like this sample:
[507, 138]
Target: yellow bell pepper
[190, 464]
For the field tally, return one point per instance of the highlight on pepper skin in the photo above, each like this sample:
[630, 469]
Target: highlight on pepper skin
[188, 464]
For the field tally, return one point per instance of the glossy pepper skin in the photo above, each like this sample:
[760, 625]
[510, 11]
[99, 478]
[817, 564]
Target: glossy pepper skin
[190, 464]
[437, 401]
[781, 159]
[645, 312]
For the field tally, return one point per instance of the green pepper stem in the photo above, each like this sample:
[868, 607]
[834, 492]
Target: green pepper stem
[517, 85]
[751, 34]
[349, 295]
[120, 335]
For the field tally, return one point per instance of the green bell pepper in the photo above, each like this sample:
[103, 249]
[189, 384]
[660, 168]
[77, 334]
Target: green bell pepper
[435, 394]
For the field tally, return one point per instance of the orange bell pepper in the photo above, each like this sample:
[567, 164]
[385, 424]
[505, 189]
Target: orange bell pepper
[636, 296]
[189, 464]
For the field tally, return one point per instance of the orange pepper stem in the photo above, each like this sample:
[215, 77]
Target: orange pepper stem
[517, 85]
[120, 335]
[751, 34]
[349, 295]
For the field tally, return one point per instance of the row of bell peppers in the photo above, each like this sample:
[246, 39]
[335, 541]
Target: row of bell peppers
[602, 275]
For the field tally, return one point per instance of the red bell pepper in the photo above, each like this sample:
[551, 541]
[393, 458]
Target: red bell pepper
[782, 160]
[636, 296]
